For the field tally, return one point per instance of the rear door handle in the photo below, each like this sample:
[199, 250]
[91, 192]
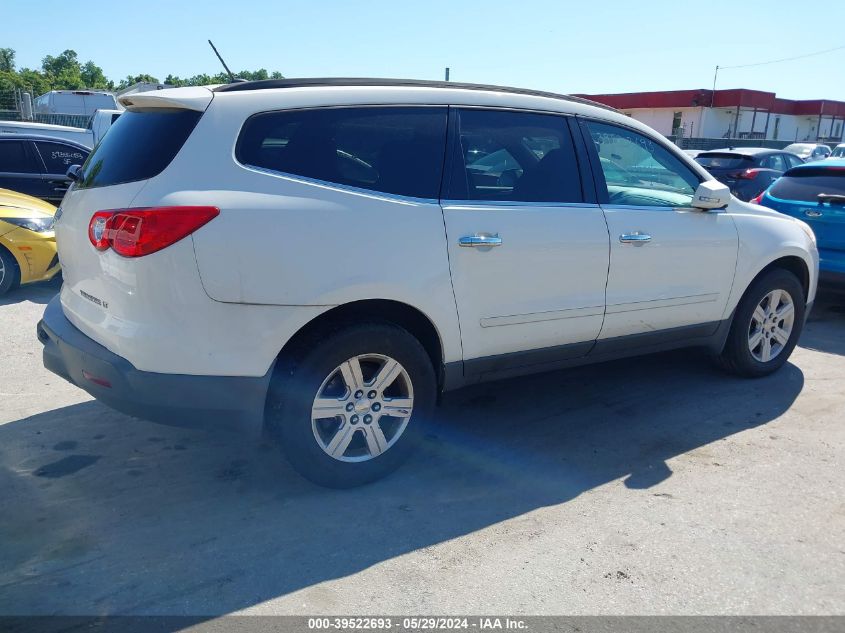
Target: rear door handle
[637, 238]
[479, 240]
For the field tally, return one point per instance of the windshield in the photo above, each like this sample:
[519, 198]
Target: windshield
[839, 152]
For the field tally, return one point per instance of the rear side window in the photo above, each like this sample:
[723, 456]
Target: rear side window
[138, 146]
[806, 184]
[724, 161]
[396, 150]
[15, 158]
[58, 156]
[514, 156]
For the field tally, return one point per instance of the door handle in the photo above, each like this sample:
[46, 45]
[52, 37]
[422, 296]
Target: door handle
[637, 238]
[480, 240]
[813, 214]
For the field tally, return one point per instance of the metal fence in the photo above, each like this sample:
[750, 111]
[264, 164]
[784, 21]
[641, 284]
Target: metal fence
[11, 110]
[719, 143]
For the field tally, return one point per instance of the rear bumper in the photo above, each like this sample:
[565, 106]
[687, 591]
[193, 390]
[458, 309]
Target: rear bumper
[177, 399]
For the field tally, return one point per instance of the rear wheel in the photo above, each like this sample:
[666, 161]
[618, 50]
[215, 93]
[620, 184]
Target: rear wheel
[350, 407]
[766, 325]
[8, 271]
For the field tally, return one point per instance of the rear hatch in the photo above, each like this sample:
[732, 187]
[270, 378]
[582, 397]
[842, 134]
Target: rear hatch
[816, 195]
[726, 167]
[107, 295]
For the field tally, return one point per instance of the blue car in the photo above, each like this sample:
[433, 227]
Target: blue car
[815, 193]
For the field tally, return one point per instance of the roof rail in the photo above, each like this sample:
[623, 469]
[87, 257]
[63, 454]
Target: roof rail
[267, 84]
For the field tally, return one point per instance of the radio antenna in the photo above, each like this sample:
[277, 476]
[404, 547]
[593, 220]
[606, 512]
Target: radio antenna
[229, 72]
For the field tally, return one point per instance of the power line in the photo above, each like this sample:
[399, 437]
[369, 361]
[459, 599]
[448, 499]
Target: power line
[773, 61]
[785, 59]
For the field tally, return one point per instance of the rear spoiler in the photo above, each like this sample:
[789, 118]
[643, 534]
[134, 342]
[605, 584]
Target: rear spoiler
[194, 98]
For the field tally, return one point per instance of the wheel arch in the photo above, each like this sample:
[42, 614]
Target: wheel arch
[792, 263]
[402, 314]
[18, 270]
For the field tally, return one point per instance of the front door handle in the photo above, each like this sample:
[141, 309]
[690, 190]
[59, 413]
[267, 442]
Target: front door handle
[478, 240]
[637, 238]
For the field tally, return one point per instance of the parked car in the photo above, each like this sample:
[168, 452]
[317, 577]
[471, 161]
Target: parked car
[98, 125]
[75, 102]
[838, 151]
[747, 170]
[37, 165]
[227, 257]
[27, 242]
[815, 193]
[808, 152]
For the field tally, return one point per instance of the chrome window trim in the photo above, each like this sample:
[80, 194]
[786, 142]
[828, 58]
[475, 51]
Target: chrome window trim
[505, 204]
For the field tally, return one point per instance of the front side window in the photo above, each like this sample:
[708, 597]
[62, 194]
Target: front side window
[513, 156]
[638, 171]
[14, 158]
[397, 150]
[58, 157]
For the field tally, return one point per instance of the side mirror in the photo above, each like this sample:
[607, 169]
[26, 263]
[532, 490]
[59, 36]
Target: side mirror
[74, 172]
[711, 194]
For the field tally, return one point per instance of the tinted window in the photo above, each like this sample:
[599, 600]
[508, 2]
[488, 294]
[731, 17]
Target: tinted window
[58, 156]
[774, 161]
[138, 146]
[514, 156]
[396, 150]
[806, 184]
[723, 161]
[793, 160]
[639, 171]
[15, 158]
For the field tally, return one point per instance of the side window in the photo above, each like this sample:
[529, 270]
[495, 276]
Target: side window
[396, 150]
[58, 157]
[513, 156]
[793, 160]
[15, 158]
[639, 171]
[774, 161]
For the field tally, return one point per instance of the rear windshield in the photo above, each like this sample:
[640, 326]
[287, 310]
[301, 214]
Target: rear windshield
[806, 184]
[138, 146]
[723, 161]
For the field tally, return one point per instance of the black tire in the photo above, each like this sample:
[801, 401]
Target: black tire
[9, 274]
[298, 378]
[736, 357]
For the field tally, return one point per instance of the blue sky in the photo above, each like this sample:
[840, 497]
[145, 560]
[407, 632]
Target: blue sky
[589, 47]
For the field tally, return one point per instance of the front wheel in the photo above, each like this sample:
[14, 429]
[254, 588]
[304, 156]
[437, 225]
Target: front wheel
[766, 325]
[349, 408]
[8, 271]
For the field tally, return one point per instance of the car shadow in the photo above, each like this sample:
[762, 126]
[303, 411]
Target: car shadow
[106, 514]
[40, 292]
[825, 328]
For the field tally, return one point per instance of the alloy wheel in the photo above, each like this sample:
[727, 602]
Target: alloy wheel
[771, 325]
[362, 408]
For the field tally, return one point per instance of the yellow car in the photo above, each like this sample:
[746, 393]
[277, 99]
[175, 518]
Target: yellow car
[27, 242]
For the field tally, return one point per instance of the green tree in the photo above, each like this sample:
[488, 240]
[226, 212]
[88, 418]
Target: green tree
[93, 77]
[64, 70]
[7, 60]
[134, 79]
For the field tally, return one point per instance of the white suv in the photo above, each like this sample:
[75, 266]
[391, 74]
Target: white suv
[326, 256]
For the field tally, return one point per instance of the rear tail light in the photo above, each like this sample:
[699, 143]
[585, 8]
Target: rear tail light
[139, 232]
[746, 174]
